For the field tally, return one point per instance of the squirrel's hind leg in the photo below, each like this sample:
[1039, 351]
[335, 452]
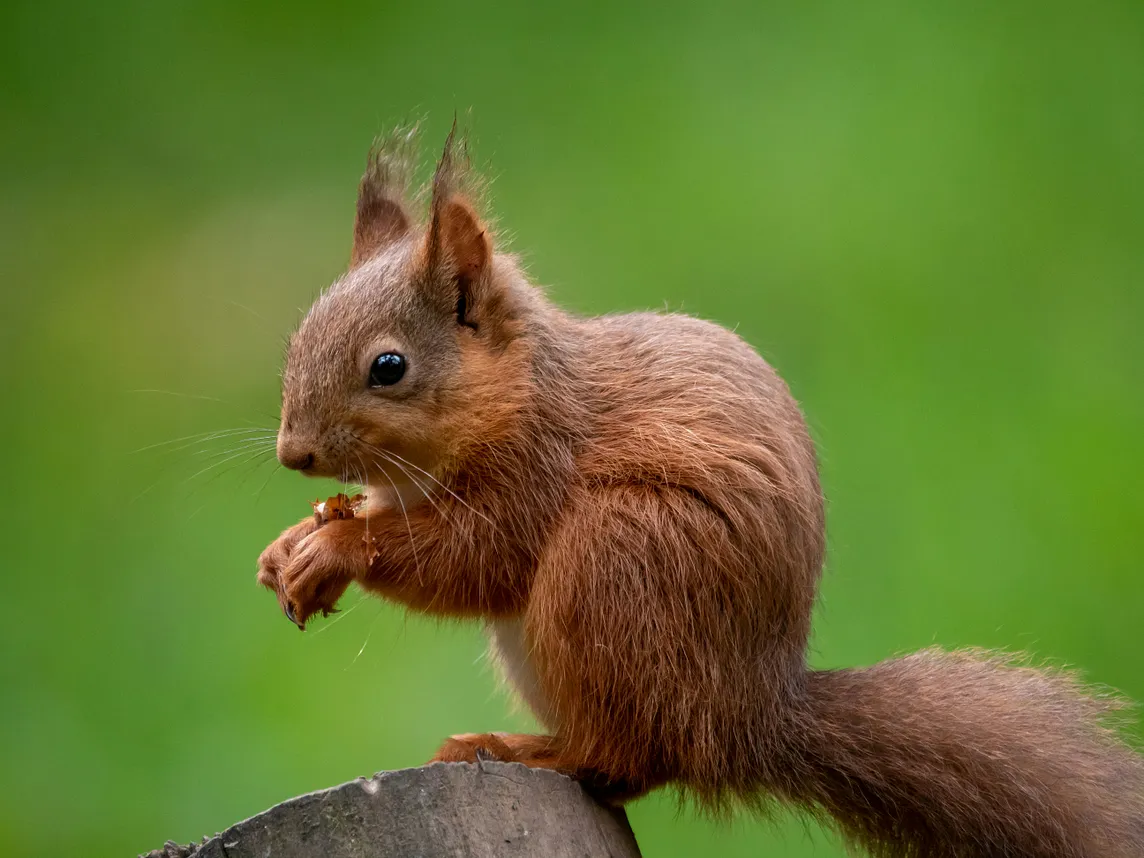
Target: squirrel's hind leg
[543, 752]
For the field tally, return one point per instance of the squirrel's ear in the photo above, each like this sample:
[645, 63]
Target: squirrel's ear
[381, 218]
[458, 248]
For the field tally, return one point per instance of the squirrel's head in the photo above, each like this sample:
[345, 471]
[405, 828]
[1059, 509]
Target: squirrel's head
[417, 348]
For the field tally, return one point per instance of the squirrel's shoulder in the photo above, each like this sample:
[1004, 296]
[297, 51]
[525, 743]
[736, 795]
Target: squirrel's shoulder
[669, 389]
[651, 325]
[662, 367]
[674, 345]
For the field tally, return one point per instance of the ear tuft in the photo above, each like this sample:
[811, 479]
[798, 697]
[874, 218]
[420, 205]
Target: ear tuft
[458, 245]
[464, 239]
[381, 217]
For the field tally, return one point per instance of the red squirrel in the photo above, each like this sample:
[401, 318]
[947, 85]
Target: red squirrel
[632, 505]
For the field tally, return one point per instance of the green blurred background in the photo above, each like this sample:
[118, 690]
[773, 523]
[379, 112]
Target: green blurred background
[928, 216]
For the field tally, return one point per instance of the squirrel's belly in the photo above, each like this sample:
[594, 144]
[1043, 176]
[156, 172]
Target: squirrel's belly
[510, 650]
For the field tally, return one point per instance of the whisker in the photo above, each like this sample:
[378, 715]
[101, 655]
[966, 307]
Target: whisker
[385, 456]
[380, 608]
[244, 445]
[395, 459]
[361, 474]
[254, 471]
[429, 497]
[408, 527]
[250, 458]
[143, 493]
[199, 397]
[265, 483]
[459, 499]
[342, 615]
[202, 437]
[241, 447]
[266, 326]
[180, 395]
[240, 441]
[427, 491]
[368, 635]
[220, 462]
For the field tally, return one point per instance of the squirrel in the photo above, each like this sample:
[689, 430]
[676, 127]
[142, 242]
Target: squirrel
[631, 503]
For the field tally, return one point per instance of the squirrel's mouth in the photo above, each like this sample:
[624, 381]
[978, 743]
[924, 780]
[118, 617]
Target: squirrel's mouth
[316, 468]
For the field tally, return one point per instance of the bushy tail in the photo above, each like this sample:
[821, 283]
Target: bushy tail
[966, 755]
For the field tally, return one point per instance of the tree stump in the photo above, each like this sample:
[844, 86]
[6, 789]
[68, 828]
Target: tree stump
[459, 810]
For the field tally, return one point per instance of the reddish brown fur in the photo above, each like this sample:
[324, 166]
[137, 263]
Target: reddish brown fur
[641, 494]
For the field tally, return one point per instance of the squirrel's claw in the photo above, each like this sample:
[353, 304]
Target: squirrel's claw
[288, 609]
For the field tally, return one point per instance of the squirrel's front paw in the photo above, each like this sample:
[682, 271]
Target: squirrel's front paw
[278, 554]
[319, 570]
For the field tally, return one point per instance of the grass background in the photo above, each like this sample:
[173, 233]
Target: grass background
[928, 216]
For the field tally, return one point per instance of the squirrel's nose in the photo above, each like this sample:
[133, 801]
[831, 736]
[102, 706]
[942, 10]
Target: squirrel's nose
[295, 458]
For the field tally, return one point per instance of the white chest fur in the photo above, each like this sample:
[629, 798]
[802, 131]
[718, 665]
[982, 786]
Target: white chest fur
[510, 650]
[396, 495]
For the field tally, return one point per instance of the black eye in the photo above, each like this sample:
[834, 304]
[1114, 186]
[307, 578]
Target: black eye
[387, 369]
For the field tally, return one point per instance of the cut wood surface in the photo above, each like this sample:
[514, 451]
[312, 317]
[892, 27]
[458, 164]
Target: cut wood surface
[457, 810]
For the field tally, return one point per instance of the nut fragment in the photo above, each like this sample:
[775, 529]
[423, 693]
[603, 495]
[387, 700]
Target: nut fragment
[338, 507]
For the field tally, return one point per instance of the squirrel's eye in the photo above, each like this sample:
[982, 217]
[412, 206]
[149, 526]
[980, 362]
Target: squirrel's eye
[387, 369]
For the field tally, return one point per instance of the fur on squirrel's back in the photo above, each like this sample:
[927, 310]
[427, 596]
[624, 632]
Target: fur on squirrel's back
[678, 380]
[692, 362]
